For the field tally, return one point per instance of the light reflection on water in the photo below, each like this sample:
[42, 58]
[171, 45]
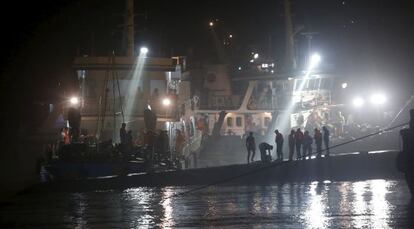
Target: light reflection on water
[315, 212]
[364, 204]
[380, 208]
[168, 220]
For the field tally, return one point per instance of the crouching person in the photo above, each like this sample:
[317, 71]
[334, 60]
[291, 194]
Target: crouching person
[265, 152]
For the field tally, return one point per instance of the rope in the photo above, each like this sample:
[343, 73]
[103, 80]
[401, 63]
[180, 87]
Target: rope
[275, 164]
[120, 98]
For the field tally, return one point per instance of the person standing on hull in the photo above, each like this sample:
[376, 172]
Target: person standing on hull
[123, 133]
[179, 144]
[123, 137]
[298, 142]
[326, 139]
[251, 147]
[291, 139]
[318, 141]
[279, 145]
[265, 152]
[307, 145]
[129, 142]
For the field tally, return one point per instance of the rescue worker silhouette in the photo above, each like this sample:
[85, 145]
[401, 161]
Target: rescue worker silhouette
[74, 118]
[251, 147]
[279, 145]
[326, 139]
[123, 137]
[123, 133]
[265, 152]
[318, 141]
[291, 142]
[298, 142]
[307, 144]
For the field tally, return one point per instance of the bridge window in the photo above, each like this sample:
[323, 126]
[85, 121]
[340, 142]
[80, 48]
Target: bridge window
[326, 83]
[229, 121]
[313, 84]
[297, 84]
[239, 121]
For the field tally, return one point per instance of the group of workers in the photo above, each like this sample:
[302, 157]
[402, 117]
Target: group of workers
[297, 140]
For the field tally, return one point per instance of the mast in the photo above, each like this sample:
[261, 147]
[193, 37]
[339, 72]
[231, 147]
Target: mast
[130, 27]
[290, 62]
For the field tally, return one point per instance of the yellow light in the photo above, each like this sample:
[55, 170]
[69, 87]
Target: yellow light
[74, 100]
[166, 102]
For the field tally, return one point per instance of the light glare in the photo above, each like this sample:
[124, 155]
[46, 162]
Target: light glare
[144, 50]
[378, 99]
[314, 60]
[358, 102]
[166, 102]
[74, 100]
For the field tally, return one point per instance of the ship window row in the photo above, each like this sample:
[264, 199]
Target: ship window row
[239, 121]
[313, 84]
[230, 122]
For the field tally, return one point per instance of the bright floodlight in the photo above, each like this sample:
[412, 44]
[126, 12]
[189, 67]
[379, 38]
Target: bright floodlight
[166, 102]
[378, 99]
[358, 102]
[314, 60]
[230, 36]
[344, 85]
[211, 24]
[144, 50]
[256, 55]
[74, 100]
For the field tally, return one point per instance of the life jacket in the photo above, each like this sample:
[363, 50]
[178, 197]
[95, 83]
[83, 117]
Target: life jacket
[66, 139]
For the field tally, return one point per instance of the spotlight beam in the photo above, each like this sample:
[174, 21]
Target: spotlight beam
[282, 120]
[135, 82]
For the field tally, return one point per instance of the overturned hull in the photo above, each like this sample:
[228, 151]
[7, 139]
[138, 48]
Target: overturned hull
[352, 166]
[61, 170]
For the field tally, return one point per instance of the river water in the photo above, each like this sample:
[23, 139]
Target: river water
[362, 204]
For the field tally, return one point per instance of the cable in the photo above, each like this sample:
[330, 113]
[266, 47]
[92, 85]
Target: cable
[401, 110]
[275, 164]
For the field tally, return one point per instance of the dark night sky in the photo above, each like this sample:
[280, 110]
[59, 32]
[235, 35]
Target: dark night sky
[369, 40]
